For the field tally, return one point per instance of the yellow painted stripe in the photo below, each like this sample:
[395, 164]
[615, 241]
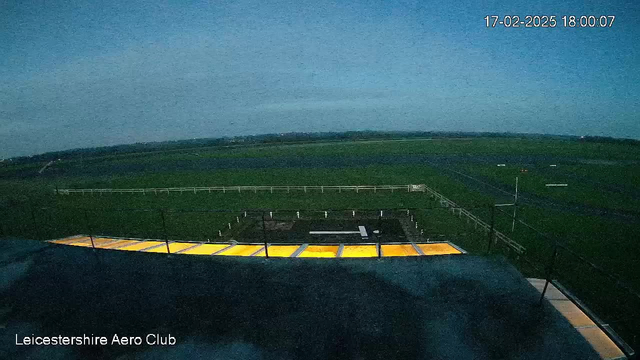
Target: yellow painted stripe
[281, 250]
[349, 250]
[70, 241]
[601, 343]
[241, 250]
[97, 241]
[118, 243]
[572, 312]
[205, 249]
[438, 249]
[174, 247]
[320, 251]
[141, 245]
[399, 250]
[359, 251]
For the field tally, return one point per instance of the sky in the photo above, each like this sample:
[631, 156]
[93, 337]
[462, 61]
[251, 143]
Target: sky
[95, 73]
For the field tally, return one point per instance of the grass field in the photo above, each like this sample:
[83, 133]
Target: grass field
[597, 215]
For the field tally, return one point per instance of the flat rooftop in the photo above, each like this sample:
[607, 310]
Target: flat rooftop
[427, 307]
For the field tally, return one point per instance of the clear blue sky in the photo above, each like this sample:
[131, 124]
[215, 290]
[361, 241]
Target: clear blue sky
[84, 74]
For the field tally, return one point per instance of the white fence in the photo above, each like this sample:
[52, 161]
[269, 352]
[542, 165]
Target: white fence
[478, 222]
[306, 188]
[255, 189]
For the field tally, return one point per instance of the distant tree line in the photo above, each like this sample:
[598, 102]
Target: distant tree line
[290, 138]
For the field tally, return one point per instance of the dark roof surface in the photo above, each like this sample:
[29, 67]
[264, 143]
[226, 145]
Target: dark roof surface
[436, 307]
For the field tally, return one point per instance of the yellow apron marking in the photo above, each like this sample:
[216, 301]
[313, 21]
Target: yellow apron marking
[399, 250]
[70, 241]
[97, 241]
[281, 250]
[438, 249]
[241, 250]
[601, 343]
[174, 247]
[118, 244]
[320, 251]
[354, 251]
[141, 245]
[312, 251]
[572, 312]
[205, 249]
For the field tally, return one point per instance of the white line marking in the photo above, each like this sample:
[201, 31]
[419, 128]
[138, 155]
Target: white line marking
[333, 232]
[363, 231]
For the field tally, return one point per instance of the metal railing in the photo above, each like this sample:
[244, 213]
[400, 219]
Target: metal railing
[211, 224]
[476, 220]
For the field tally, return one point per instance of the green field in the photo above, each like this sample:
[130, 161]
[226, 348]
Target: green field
[597, 215]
